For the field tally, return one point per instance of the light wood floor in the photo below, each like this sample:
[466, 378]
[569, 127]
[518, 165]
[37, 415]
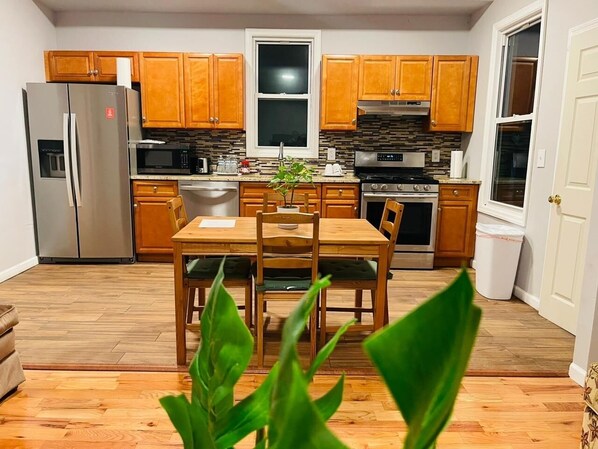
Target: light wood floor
[114, 410]
[121, 317]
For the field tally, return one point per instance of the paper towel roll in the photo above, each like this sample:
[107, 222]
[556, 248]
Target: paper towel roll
[456, 164]
[123, 72]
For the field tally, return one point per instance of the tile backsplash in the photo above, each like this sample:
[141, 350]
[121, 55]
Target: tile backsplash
[374, 132]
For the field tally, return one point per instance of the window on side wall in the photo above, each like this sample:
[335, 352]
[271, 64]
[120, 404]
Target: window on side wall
[282, 85]
[511, 132]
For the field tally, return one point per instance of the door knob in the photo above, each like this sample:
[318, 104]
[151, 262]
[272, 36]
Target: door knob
[555, 199]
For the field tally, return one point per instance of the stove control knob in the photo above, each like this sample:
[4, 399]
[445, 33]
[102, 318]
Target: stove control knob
[383, 187]
[417, 187]
[375, 186]
[426, 187]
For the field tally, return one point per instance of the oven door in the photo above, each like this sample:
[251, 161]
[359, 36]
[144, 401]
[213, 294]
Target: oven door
[417, 233]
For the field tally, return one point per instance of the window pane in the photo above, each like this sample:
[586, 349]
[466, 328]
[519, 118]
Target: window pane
[520, 72]
[510, 162]
[282, 121]
[283, 69]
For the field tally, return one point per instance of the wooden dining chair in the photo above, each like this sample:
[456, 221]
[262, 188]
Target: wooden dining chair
[286, 266]
[359, 275]
[271, 200]
[200, 273]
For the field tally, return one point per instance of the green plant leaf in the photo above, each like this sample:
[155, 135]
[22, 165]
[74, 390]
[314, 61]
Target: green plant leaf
[325, 352]
[248, 415]
[295, 421]
[328, 404]
[189, 422]
[422, 359]
[291, 173]
[225, 350]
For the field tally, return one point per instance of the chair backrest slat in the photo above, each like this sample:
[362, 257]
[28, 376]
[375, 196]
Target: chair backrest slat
[390, 229]
[271, 200]
[283, 248]
[177, 214]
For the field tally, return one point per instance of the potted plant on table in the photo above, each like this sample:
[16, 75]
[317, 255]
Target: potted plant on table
[291, 172]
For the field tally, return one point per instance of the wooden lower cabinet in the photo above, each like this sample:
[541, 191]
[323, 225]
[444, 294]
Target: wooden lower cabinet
[152, 225]
[340, 200]
[457, 217]
[332, 200]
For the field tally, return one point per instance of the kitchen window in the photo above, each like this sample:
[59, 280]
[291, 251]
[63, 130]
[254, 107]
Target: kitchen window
[510, 133]
[282, 85]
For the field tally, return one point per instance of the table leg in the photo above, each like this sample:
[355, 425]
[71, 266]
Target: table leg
[179, 305]
[381, 286]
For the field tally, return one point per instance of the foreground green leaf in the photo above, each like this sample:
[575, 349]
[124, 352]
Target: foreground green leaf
[422, 359]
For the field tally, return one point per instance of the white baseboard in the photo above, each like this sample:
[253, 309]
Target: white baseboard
[577, 373]
[23, 266]
[527, 298]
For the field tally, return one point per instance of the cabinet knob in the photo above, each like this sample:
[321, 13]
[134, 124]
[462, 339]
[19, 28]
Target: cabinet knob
[143, 119]
[155, 189]
[134, 204]
[211, 119]
[340, 191]
[392, 91]
[89, 72]
[456, 192]
[353, 121]
[433, 122]
[96, 72]
[397, 92]
[216, 120]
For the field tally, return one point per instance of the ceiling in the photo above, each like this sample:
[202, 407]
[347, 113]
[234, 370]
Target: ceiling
[301, 7]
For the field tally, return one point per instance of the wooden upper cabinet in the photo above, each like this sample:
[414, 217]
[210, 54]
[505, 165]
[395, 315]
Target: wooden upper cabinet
[214, 91]
[162, 91]
[198, 79]
[413, 78]
[453, 93]
[395, 77]
[88, 66]
[340, 77]
[227, 90]
[69, 66]
[105, 64]
[376, 77]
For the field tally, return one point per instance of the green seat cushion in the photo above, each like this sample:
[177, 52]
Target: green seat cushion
[284, 279]
[350, 269]
[204, 269]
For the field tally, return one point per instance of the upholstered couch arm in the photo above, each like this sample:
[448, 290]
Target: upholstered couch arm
[589, 432]
[11, 372]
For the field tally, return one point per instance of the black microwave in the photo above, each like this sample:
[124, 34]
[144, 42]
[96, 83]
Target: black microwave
[164, 159]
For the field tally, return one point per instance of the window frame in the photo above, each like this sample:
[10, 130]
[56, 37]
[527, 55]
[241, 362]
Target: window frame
[532, 14]
[252, 37]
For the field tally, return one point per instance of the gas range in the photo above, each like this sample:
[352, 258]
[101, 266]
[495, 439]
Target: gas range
[400, 176]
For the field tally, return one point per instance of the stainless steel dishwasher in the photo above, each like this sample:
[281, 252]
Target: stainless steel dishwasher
[216, 198]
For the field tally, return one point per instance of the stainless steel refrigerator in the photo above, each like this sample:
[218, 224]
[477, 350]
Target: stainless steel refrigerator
[79, 139]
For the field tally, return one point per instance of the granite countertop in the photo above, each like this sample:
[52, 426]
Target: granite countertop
[446, 180]
[240, 178]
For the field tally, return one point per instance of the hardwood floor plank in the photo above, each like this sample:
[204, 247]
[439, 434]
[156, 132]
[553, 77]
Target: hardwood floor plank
[74, 409]
[122, 315]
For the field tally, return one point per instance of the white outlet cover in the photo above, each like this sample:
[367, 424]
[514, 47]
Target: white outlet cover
[435, 155]
[331, 154]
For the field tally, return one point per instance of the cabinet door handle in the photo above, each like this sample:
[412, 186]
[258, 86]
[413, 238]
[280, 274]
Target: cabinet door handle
[155, 189]
[216, 119]
[353, 121]
[143, 119]
[96, 72]
[134, 204]
[433, 122]
[340, 191]
[211, 119]
[455, 192]
[89, 72]
[392, 91]
[397, 92]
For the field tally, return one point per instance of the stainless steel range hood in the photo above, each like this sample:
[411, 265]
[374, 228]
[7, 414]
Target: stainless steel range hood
[394, 107]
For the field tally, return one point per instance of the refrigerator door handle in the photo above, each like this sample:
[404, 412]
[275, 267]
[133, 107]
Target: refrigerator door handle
[75, 159]
[67, 158]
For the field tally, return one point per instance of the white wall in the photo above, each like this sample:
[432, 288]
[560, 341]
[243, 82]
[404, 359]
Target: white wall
[24, 34]
[225, 34]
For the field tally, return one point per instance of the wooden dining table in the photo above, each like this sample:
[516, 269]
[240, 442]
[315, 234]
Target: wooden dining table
[339, 237]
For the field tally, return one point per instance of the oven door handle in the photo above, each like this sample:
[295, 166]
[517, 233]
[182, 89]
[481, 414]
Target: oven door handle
[399, 195]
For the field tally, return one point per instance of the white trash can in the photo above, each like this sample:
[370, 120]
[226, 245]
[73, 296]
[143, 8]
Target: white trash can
[497, 251]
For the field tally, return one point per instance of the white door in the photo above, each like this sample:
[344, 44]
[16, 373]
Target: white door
[574, 183]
